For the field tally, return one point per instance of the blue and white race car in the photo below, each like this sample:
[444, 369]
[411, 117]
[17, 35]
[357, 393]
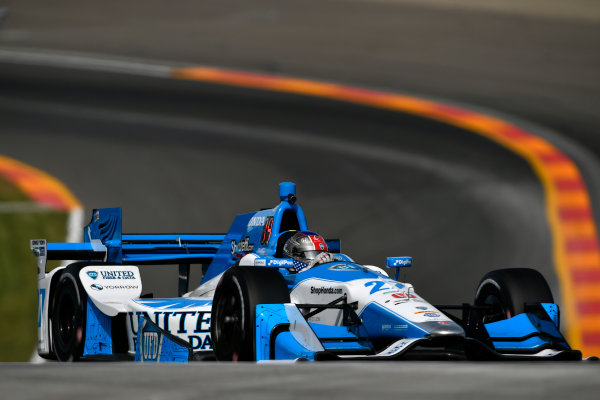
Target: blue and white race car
[273, 290]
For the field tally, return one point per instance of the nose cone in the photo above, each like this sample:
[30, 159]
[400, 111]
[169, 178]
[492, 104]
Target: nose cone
[443, 328]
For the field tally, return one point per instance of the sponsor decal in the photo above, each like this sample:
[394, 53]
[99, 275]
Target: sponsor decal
[304, 240]
[379, 286]
[256, 221]
[114, 274]
[426, 312]
[344, 267]
[318, 242]
[325, 290]
[401, 295]
[92, 274]
[388, 327]
[261, 262]
[299, 265]
[150, 346]
[279, 263]
[241, 246]
[444, 323]
[431, 315]
[95, 286]
[120, 287]
[401, 262]
[421, 308]
[198, 343]
[193, 325]
[397, 347]
[41, 301]
[39, 247]
[267, 230]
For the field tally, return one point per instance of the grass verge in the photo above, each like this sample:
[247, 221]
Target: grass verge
[18, 271]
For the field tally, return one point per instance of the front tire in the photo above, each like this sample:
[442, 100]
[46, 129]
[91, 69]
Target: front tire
[68, 318]
[233, 325]
[508, 290]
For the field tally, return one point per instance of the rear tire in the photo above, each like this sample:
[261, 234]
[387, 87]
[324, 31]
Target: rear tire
[509, 290]
[68, 317]
[233, 325]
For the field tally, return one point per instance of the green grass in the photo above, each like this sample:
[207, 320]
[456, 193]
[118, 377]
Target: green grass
[18, 272]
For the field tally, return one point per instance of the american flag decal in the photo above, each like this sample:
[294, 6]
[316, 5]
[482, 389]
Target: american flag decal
[299, 265]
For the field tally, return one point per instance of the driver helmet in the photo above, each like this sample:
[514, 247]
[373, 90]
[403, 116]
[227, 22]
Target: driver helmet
[303, 247]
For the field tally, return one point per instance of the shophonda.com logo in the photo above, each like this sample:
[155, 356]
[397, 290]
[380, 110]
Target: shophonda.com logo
[325, 290]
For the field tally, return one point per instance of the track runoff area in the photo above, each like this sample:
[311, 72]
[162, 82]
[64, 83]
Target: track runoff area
[568, 207]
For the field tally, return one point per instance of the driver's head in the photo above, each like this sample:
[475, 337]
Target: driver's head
[304, 246]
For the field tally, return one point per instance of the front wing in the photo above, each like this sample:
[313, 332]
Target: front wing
[283, 333]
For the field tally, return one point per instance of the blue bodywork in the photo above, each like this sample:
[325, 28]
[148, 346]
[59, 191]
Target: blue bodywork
[282, 333]
[98, 339]
[532, 330]
[282, 330]
[155, 345]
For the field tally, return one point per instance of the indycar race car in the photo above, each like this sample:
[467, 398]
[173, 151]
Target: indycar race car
[273, 290]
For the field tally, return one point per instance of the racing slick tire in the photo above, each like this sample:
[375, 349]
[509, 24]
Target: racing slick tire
[240, 289]
[509, 290]
[68, 317]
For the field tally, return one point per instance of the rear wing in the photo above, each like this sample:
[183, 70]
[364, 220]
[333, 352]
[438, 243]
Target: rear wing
[138, 249]
[103, 241]
[262, 232]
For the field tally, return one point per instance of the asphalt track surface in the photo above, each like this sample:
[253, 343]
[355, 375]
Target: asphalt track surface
[184, 157]
[416, 380]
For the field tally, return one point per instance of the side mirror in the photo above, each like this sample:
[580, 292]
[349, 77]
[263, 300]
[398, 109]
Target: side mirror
[398, 262]
[334, 245]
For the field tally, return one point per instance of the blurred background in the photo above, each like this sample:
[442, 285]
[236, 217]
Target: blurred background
[84, 97]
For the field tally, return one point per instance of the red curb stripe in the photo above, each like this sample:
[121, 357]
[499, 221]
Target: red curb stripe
[569, 184]
[362, 92]
[582, 245]
[570, 214]
[513, 132]
[553, 158]
[40, 187]
[454, 111]
[591, 338]
[586, 276]
[589, 308]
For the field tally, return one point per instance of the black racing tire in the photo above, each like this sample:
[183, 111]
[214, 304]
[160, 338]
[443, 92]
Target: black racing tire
[509, 290]
[233, 318]
[68, 317]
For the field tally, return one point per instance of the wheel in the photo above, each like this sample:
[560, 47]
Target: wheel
[509, 290]
[68, 317]
[240, 289]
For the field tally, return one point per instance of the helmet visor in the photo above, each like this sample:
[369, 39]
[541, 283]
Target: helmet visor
[310, 254]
